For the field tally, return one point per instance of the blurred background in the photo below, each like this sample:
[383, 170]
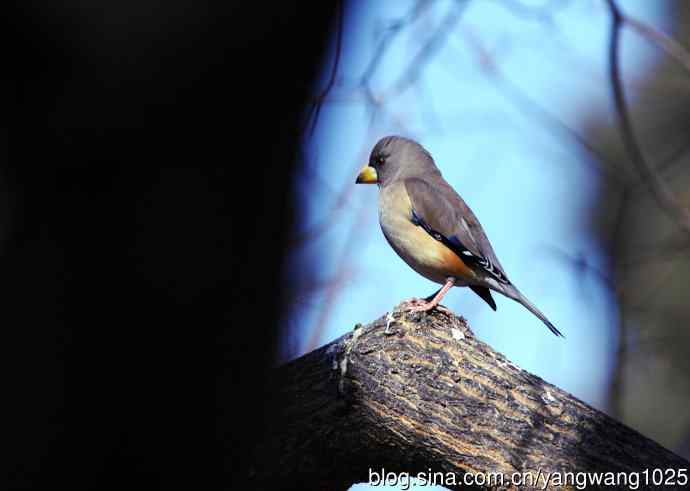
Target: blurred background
[144, 153]
[514, 100]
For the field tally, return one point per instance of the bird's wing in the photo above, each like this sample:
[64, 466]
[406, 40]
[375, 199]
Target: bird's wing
[445, 216]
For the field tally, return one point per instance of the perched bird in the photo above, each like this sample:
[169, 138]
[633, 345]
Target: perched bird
[432, 229]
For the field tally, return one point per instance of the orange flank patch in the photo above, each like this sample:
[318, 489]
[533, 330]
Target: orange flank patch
[456, 266]
[423, 253]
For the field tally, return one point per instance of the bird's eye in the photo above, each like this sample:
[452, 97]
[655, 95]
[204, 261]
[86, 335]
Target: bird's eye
[380, 160]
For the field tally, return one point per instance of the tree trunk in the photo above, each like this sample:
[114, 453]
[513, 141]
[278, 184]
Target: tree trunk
[423, 395]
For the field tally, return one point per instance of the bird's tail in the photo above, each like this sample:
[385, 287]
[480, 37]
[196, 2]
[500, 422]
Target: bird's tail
[512, 292]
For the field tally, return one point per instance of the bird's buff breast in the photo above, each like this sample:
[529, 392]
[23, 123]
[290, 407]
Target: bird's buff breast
[413, 244]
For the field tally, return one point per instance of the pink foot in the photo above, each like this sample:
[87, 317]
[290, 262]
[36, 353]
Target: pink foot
[421, 305]
[412, 302]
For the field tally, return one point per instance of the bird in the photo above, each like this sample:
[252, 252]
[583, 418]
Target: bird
[432, 229]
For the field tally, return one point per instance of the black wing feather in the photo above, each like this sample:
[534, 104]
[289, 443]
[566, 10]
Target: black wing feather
[485, 294]
[454, 244]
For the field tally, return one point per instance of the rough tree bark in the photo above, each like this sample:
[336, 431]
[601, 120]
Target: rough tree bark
[417, 392]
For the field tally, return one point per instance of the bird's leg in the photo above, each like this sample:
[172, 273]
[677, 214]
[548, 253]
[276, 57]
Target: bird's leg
[431, 297]
[438, 307]
[426, 304]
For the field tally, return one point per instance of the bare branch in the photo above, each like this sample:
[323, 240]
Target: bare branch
[582, 266]
[376, 102]
[354, 235]
[672, 47]
[430, 48]
[390, 33]
[541, 13]
[316, 108]
[615, 396]
[650, 178]
[523, 100]
[674, 157]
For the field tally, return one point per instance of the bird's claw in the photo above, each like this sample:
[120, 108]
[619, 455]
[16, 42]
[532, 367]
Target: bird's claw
[412, 303]
[421, 305]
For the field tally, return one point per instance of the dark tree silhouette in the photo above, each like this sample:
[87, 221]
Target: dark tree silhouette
[151, 149]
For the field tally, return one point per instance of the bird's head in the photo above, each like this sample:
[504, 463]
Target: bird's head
[393, 158]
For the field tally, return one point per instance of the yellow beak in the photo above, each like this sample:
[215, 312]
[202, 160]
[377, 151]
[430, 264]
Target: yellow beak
[367, 175]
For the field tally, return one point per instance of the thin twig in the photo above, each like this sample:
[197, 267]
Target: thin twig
[671, 160]
[432, 45]
[316, 108]
[581, 265]
[387, 39]
[531, 107]
[656, 186]
[672, 47]
[617, 387]
[674, 157]
[541, 13]
[384, 44]
[357, 228]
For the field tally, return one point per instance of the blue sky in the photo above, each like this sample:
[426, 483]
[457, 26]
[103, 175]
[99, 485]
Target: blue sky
[492, 106]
